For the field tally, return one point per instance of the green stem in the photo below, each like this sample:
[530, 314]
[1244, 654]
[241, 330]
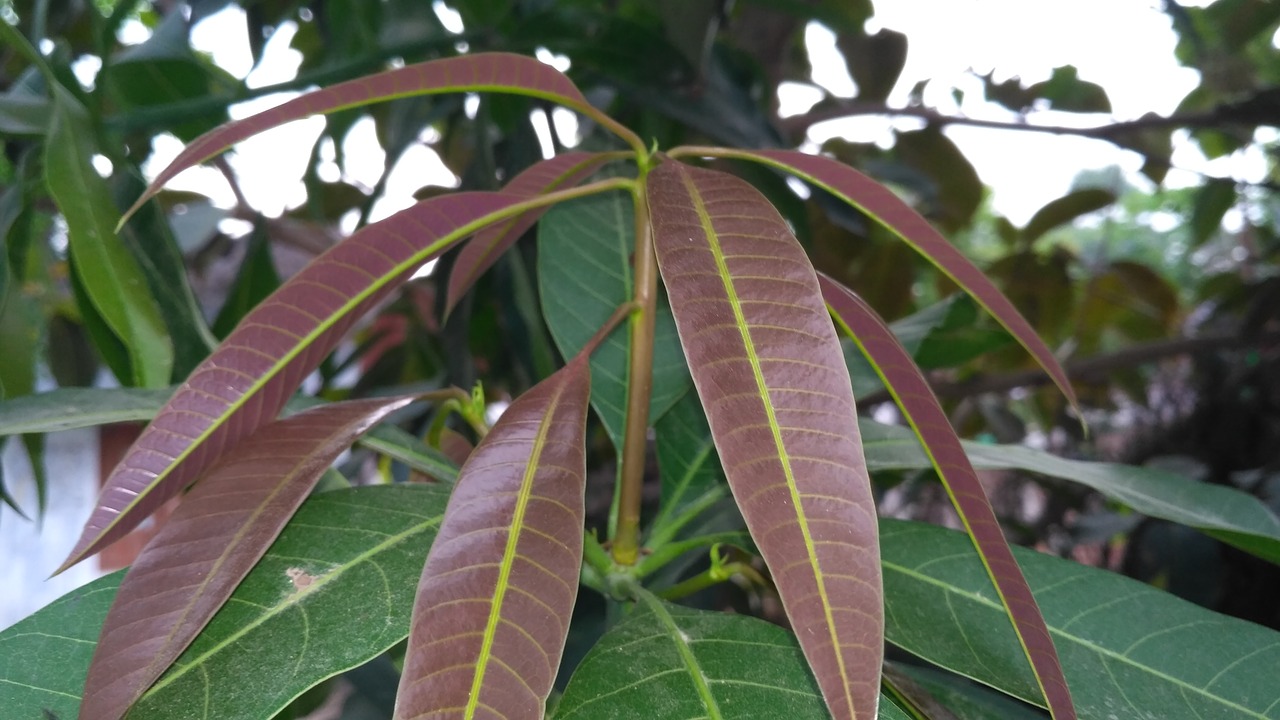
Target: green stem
[626, 540]
[713, 575]
[660, 557]
[664, 530]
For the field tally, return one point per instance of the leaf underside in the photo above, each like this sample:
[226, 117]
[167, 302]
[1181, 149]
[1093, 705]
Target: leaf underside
[214, 538]
[767, 366]
[251, 375]
[498, 589]
[922, 410]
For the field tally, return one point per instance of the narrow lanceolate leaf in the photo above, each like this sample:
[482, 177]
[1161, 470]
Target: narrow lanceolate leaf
[767, 366]
[481, 72]
[483, 250]
[247, 380]
[497, 592]
[880, 203]
[924, 413]
[218, 533]
[667, 661]
[1129, 650]
[334, 591]
[109, 275]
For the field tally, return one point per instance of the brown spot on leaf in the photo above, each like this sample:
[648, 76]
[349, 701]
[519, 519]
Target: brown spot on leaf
[300, 578]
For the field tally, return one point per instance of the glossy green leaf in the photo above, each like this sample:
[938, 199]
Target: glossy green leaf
[247, 380]
[109, 274]
[498, 589]
[332, 592]
[767, 366]
[929, 421]
[481, 72]
[1227, 514]
[215, 537]
[963, 698]
[1064, 210]
[688, 467]
[1128, 649]
[584, 274]
[880, 203]
[482, 251]
[668, 661]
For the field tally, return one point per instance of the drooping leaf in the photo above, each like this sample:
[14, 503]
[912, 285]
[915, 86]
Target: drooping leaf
[480, 72]
[668, 661]
[108, 274]
[1064, 210]
[929, 421]
[1124, 645]
[584, 273]
[207, 546]
[71, 408]
[1232, 516]
[332, 592]
[482, 251]
[880, 203]
[498, 589]
[250, 376]
[767, 366]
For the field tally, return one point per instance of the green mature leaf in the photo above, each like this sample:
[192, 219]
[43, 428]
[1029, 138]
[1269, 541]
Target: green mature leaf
[1066, 91]
[109, 274]
[1064, 210]
[584, 274]
[880, 203]
[1229, 515]
[247, 380]
[254, 283]
[688, 467]
[71, 408]
[481, 72]
[929, 421]
[1128, 650]
[767, 366]
[1213, 200]
[22, 114]
[667, 661]
[965, 699]
[498, 589]
[214, 538]
[333, 591]
[946, 334]
[482, 251]
[959, 189]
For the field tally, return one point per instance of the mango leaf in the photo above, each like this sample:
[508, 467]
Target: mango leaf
[584, 273]
[922, 410]
[963, 698]
[289, 625]
[482, 251]
[71, 408]
[214, 538]
[668, 661]
[1124, 644]
[497, 592]
[247, 380]
[480, 72]
[1232, 516]
[767, 366]
[109, 275]
[1064, 210]
[880, 203]
[688, 467]
[22, 114]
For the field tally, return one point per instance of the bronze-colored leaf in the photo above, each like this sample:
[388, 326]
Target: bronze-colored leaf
[218, 533]
[768, 368]
[497, 593]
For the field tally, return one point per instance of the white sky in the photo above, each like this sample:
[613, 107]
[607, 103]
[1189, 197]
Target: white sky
[1124, 45]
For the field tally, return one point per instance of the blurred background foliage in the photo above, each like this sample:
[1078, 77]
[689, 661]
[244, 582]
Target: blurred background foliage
[1164, 302]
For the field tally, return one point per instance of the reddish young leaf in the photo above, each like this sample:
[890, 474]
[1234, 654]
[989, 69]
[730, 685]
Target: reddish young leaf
[481, 72]
[921, 409]
[482, 251]
[880, 203]
[769, 372]
[497, 593]
[218, 533]
[247, 380]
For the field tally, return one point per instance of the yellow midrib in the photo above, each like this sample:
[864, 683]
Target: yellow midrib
[508, 556]
[783, 457]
